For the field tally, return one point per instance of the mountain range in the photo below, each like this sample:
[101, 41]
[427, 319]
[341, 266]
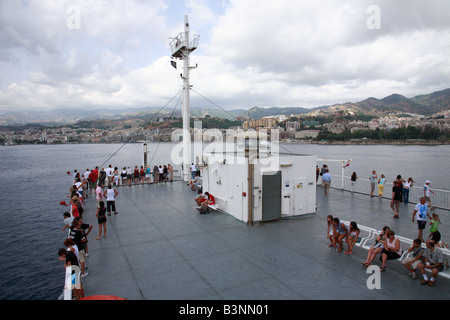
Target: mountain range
[426, 104]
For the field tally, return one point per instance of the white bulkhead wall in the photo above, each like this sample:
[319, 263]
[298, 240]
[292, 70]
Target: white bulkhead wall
[228, 183]
[298, 185]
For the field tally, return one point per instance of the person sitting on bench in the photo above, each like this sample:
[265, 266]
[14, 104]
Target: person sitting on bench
[203, 200]
[211, 199]
[200, 198]
[193, 184]
[433, 262]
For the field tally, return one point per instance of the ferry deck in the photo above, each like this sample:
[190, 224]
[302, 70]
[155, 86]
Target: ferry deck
[158, 247]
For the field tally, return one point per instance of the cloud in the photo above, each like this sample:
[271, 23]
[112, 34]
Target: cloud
[309, 45]
[79, 67]
[272, 53]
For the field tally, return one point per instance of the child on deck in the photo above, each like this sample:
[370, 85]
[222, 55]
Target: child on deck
[340, 232]
[434, 222]
[101, 217]
[330, 231]
[68, 219]
[353, 237]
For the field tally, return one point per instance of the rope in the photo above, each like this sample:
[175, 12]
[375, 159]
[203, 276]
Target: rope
[149, 120]
[173, 111]
[230, 114]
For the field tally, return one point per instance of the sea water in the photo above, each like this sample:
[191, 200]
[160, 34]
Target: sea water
[34, 181]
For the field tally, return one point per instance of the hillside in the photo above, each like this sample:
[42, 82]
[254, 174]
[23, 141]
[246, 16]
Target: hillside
[425, 104]
[436, 102]
[256, 112]
[394, 103]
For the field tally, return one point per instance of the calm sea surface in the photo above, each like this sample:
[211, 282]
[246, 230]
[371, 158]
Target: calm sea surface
[34, 180]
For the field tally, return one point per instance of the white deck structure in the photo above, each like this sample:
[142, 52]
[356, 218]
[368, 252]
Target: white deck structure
[257, 184]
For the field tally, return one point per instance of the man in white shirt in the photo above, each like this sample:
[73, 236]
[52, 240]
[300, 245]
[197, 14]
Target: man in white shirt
[109, 174]
[373, 180]
[326, 181]
[86, 174]
[427, 192]
[193, 171]
[110, 195]
[421, 213]
[86, 178]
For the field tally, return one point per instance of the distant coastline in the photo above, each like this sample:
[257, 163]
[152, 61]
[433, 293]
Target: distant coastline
[359, 142]
[393, 142]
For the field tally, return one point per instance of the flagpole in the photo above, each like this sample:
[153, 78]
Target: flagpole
[181, 48]
[186, 109]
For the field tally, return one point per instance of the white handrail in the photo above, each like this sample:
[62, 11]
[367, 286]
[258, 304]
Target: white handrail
[68, 284]
[441, 198]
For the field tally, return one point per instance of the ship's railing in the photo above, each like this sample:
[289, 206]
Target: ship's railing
[440, 199]
[72, 281]
[67, 290]
[68, 284]
[179, 42]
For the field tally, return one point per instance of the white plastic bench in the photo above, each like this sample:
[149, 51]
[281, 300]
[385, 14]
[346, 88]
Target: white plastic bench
[446, 252]
[370, 241]
[365, 234]
[366, 243]
[219, 203]
[371, 234]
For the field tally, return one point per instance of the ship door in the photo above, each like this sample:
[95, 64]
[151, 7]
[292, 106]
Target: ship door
[271, 196]
[299, 196]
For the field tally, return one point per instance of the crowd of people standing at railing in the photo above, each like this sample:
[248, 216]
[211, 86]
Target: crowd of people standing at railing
[400, 187]
[98, 183]
[75, 250]
[127, 176]
[400, 190]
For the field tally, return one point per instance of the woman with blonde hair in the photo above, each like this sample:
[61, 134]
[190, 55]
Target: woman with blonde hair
[377, 248]
[381, 183]
[330, 230]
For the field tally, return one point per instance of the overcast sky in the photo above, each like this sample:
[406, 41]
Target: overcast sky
[115, 53]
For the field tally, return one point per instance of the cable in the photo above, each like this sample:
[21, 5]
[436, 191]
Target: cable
[149, 120]
[173, 111]
[230, 114]
[214, 104]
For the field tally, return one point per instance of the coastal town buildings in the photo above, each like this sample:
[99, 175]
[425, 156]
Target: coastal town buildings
[291, 128]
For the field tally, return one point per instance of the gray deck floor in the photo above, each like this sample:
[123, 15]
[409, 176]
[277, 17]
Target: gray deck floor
[160, 248]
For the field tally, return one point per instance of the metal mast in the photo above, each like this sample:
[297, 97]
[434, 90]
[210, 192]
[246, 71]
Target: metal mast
[181, 47]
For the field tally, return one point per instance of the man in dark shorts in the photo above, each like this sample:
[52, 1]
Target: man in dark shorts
[396, 198]
[421, 213]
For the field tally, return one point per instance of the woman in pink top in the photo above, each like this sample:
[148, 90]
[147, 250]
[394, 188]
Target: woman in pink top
[391, 250]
